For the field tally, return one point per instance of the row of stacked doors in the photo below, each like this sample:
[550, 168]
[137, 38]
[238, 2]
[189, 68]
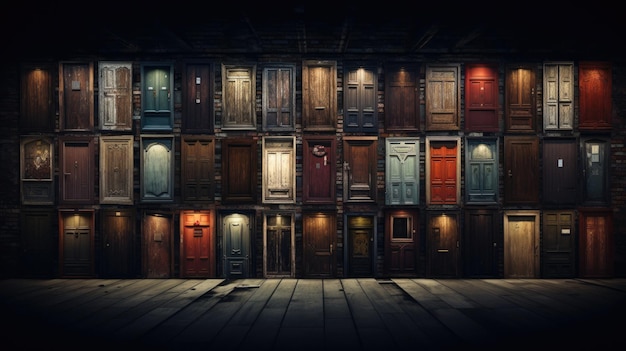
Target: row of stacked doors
[473, 243]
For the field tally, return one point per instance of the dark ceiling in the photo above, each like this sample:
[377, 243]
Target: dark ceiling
[307, 29]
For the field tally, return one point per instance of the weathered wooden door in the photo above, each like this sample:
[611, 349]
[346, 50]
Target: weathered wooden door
[37, 110]
[402, 98]
[279, 169]
[596, 244]
[238, 96]
[521, 170]
[37, 245]
[481, 243]
[560, 171]
[361, 245]
[319, 236]
[520, 99]
[37, 165]
[595, 84]
[77, 179]
[360, 99]
[236, 230]
[116, 169]
[157, 103]
[318, 169]
[239, 170]
[157, 168]
[481, 97]
[115, 92]
[443, 245]
[76, 97]
[558, 96]
[558, 254]
[442, 97]
[481, 170]
[319, 95]
[595, 160]
[279, 97]
[76, 229]
[117, 228]
[442, 177]
[198, 97]
[401, 242]
[402, 171]
[521, 244]
[360, 159]
[278, 241]
[197, 168]
[197, 243]
[157, 245]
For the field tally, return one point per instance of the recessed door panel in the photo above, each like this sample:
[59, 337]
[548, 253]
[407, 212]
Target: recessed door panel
[279, 245]
[521, 167]
[279, 94]
[116, 169]
[442, 97]
[197, 173]
[319, 235]
[236, 229]
[319, 169]
[402, 171]
[115, 105]
[520, 98]
[360, 159]
[76, 235]
[442, 173]
[443, 245]
[558, 96]
[157, 245]
[401, 242]
[360, 99]
[481, 170]
[157, 168]
[521, 244]
[117, 228]
[238, 96]
[157, 81]
[197, 253]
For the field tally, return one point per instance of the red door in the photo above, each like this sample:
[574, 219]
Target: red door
[596, 243]
[481, 98]
[197, 245]
[157, 245]
[443, 172]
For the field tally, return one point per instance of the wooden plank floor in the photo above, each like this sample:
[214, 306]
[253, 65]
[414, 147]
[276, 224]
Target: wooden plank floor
[312, 314]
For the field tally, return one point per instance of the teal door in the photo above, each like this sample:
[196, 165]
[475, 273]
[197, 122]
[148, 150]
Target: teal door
[236, 231]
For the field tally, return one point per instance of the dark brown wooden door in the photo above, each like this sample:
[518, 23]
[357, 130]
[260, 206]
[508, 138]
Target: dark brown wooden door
[37, 110]
[319, 169]
[520, 99]
[238, 96]
[76, 235]
[558, 254]
[443, 245]
[279, 97]
[76, 96]
[77, 179]
[239, 170]
[361, 245]
[157, 245]
[560, 171]
[595, 95]
[401, 242]
[197, 253]
[117, 228]
[596, 244]
[319, 95]
[37, 245]
[115, 105]
[236, 231]
[481, 98]
[198, 97]
[360, 99]
[360, 159]
[198, 175]
[402, 98]
[443, 172]
[521, 244]
[481, 243]
[279, 245]
[521, 170]
[319, 236]
[442, 97]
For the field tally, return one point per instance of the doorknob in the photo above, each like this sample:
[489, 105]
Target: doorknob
[331, 248]
[510, 173]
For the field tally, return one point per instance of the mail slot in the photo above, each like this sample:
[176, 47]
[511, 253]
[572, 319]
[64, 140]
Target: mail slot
[442, 250]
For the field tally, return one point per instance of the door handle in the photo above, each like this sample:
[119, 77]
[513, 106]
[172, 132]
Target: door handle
[510, 173]
[331, 249]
